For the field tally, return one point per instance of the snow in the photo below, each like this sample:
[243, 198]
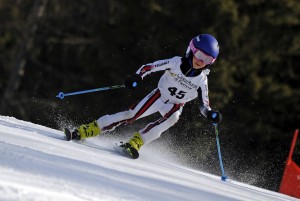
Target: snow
[36, 164]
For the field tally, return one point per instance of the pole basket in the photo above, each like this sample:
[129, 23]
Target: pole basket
[290, 183]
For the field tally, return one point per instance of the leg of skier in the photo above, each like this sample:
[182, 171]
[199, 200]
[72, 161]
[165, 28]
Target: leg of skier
[144, 108]
[170, 115]
[109, 122]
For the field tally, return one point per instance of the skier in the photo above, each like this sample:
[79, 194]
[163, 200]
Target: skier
[184, 79]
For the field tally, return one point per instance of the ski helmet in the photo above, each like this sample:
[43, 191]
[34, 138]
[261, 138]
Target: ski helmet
[204, 47]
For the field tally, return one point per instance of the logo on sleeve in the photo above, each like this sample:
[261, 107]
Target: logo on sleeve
[161, 64]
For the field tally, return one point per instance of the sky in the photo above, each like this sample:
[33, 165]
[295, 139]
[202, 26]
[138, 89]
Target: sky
[37, 164]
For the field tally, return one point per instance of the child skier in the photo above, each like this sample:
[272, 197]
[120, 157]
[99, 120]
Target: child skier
[185, 78]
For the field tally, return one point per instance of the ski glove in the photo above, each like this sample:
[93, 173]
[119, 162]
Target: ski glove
[214, 116]
[132, 81]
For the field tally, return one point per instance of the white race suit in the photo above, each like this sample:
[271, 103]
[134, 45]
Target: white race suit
[173, 91]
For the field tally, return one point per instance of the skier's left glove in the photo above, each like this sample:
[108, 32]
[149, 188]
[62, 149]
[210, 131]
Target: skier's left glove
[132, 81]
[214, 116]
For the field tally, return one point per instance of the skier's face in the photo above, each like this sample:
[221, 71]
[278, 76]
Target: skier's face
[198, 64]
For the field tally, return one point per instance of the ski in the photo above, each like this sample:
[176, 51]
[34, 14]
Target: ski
[68, 134]
[127, 152]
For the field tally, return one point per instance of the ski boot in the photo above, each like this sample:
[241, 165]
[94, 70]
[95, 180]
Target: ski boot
[83, 131]
[133, 145]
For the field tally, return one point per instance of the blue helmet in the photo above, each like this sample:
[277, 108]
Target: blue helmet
[206, 43]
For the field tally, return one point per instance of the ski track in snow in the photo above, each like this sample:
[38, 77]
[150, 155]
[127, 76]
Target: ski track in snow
[37, 164]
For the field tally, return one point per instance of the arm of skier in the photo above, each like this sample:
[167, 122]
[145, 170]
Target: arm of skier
[134, 80]
[213, 116]
[160, 65]
[203, 99]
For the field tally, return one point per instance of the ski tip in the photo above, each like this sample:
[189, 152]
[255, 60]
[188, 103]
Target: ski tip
[68, 134]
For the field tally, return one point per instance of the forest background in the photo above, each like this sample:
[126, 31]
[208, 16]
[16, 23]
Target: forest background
[59, 45]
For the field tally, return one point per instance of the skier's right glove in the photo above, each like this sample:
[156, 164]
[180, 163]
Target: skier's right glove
[214, 116]
[132, 81]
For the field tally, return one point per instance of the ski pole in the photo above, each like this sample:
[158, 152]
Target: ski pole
[223, 177]
[61, 95]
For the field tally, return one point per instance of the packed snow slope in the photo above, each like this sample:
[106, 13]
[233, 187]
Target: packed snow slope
[37, 164]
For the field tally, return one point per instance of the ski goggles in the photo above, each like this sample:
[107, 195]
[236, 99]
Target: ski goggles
[200, 55]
